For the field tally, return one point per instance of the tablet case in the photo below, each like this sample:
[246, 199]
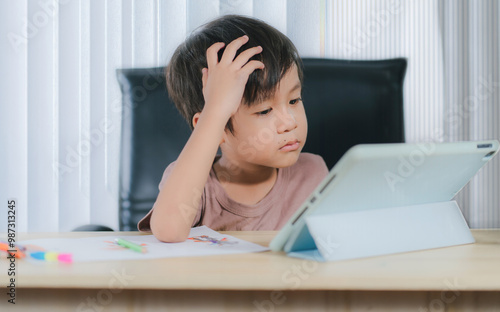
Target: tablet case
[381, 231]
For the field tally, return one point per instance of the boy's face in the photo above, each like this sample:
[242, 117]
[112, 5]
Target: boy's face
[271, 133]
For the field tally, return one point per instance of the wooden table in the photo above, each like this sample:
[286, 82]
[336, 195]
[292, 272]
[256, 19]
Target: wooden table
[461, 278]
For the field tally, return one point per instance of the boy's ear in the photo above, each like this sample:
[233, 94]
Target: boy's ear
[196, 117]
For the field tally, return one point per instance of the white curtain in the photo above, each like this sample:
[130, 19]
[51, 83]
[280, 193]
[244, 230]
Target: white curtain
[60, 108]
[471, 41]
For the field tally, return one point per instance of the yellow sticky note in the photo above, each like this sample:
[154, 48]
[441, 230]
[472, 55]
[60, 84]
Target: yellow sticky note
[51, 256]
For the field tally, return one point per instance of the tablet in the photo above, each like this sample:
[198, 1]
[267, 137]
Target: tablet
[373, 176]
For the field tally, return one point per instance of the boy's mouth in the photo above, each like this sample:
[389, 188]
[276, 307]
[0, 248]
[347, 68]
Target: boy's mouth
[291, 145]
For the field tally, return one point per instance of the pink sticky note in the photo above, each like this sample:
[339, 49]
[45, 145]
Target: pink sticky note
[66, 258]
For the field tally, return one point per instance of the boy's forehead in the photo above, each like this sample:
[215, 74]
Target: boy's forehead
[289, 83]
[290, 80]
[286, 87]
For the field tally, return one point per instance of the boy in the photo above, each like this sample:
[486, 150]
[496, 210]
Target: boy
[237, 81]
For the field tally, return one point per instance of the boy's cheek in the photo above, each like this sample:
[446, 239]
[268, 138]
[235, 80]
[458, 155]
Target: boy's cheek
[303, 120]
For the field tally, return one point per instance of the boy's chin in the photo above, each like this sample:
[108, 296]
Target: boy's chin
[287, 160]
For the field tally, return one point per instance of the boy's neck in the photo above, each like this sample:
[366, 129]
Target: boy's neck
[228, 171]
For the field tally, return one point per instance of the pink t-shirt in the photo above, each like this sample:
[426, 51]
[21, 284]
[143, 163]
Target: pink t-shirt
[221, 213]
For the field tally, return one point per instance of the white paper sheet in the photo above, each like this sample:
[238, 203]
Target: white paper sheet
[202, 241]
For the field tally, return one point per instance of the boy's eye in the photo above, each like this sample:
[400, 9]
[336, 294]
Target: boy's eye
[295, 101]
[265, 112]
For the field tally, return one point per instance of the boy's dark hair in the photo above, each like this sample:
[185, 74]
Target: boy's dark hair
[183, 73]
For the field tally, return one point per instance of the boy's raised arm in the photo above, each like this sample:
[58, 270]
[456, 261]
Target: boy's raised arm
[223, 86]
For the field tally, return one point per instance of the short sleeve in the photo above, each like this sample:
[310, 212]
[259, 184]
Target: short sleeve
[144, 224]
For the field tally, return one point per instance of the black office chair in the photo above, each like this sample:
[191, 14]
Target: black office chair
[153, 135]
[352, 102]
[346, 102]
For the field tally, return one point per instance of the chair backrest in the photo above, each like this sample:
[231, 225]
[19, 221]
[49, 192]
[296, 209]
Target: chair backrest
[153, 135]
[346, 102]
[352, 102]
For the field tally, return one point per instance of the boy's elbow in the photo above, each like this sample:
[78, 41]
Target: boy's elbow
[169, 233]
[170, 238]
[169, 226]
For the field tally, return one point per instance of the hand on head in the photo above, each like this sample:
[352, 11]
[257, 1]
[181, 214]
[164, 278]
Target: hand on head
[224, 82]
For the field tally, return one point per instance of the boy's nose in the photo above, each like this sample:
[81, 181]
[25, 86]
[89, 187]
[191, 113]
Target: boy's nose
[286, 121]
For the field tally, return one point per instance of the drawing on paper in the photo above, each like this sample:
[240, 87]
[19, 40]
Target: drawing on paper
[211, 240]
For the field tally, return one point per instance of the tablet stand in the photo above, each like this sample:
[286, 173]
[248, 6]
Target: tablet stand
[360, 234]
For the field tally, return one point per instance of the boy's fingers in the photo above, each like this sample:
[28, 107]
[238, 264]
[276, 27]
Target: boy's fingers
[244, 56]
[212, 58]
[251, 66]
[232, 48]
